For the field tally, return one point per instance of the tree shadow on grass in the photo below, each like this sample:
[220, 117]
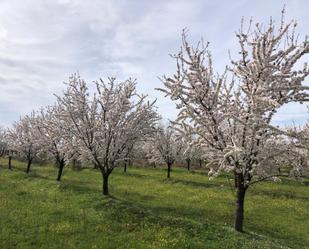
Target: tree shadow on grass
[175, 181]
[141, 176]
[280, 195]
[189, 219]
[191, 183]
[273, 234]
[14, 168]
[77, 186]
[145, 206]
[198, 172]
[35, 174]
[121, 209]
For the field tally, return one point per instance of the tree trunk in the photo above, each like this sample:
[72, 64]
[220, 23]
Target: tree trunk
[105, 184]
[10, 163]
[239, 214]
[29, 165]
[188, 163]
[200, 161]
[74, 164]
[168, 170]
[60, 170]
[125, 167]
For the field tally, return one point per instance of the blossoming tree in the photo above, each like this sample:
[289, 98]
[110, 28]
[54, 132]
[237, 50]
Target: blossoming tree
[297, 156]
[52, 137]
[232, 113]
[164, 147]
[106, 124]
[21, 139]
[3, 143]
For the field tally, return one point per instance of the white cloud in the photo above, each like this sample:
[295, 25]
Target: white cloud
[42, 42]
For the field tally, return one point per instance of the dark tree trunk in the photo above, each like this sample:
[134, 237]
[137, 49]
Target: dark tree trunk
[29, 165]
[60, 170]
[169, 170]
[105, 184]
[125, 167]
[239, 213]
[10, 163]
[74, 163]
[188, 163]
[200, 162]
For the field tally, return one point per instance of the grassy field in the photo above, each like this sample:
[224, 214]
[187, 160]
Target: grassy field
[145, 210]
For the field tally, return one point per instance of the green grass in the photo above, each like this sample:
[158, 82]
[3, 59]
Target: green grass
[145, 210]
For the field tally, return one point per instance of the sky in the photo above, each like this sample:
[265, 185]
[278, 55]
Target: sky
[43, 42]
